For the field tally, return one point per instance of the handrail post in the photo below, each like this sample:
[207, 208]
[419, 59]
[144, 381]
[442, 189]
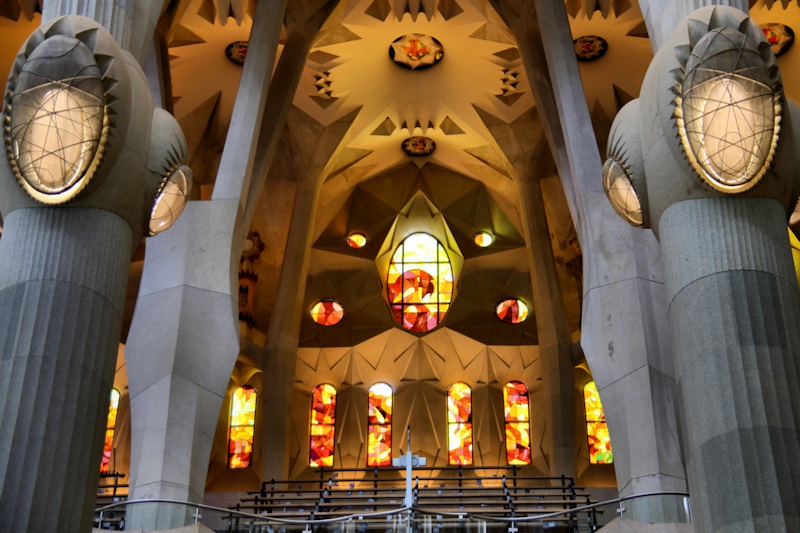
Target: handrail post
[409, 499]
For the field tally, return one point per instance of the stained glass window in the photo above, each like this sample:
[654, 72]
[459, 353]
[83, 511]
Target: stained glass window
[420, 282]
[459, 424]
[379, 447]
[518, 429]
[512, 310]
[323, 421]
[113, 405]
[327, 312]
[357, 240]
[596, 427]
[243, 421]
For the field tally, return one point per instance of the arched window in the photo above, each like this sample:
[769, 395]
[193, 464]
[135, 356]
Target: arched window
[323, 421]
[242, 428]
[379, 446]
[459, 424]
[518, 428]
[596, 427]
[420, 282]
[111, 425]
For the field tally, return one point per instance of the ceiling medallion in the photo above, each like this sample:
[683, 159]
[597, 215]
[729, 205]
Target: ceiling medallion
[236, 52]
[419, 146]
[779, 36]
[590, 47]
[416, 51]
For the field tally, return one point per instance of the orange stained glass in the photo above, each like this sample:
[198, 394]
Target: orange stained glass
[357, 240]
[242, 427]
[459, 424]
[512, 310]
[323, 422]
[111, 424]
[327, 312]
[379, 446]
[420, 282]
[516, 412]
[596, 428]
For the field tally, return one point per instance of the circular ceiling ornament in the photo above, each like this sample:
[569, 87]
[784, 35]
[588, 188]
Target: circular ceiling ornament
[327, 312]
[621, 193]
[728, 111]
[236, 52]
[416, 51]
[419, 146]
[357, 240]
[590, 47]
[58, 121]
[171, 199]
[779, 36]
[483, 239]
[512, 311]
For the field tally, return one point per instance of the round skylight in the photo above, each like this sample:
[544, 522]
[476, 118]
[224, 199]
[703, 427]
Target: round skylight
[483, 239]
[357, 240]
[416, 51]
[512, 311]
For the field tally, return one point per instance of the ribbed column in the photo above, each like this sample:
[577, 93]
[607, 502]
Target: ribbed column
[663, 16]
[63, 274]
[131, 22]
[734, 308]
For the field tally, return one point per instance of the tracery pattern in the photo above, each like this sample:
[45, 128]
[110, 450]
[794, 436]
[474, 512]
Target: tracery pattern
[518, 434]
[420, 282]
[242, 428]
[596, 427]
[323, 422]
[459, 424]
[379, 446]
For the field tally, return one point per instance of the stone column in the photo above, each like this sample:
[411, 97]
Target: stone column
[624, 331]
[63, 274]
[734, 308]
[662, 16]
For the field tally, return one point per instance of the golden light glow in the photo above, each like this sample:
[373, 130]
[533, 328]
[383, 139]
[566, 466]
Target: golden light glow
[242, 426]
[111, 425]
[483, 239]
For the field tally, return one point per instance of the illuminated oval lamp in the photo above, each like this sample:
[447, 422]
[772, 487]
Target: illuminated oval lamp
[171, 199]
[357, 240]
[621, 193]
[483, 239]
[728, 116]
[512, 311]
[327, 312]
[58, 124]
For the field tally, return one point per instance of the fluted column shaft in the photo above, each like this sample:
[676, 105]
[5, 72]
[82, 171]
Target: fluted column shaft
[662, 16]
[63, 272]
[734, 308]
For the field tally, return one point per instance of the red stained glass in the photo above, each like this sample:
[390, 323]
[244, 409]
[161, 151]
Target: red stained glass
[323, 421]
[242, 426]
[596, 428]
[111, 424]
[327, 312]
[459, 424]
[516, 412]
[420, 283]
[379, 445]
[357, 240]
[512, 311]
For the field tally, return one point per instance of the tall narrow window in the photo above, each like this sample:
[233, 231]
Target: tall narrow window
[459, 424]
[111, 425]
[242, 429]
[596, 427]
[518, 429]
[379, 447]
[323, 421]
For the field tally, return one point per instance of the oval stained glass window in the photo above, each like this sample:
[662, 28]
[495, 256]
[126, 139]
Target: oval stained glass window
[357, 240]
[512, 311]
[420, 283]
[327, 312]
[483, 239]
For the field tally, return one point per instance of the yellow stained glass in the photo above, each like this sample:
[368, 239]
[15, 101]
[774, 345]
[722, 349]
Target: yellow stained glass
[111, 424]
[420, 282]
[483, 239]
[518, 439]
[459, 424]
[596, 428]
[323, 421]
[357, 240]
[379, 445]
[242, 427]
